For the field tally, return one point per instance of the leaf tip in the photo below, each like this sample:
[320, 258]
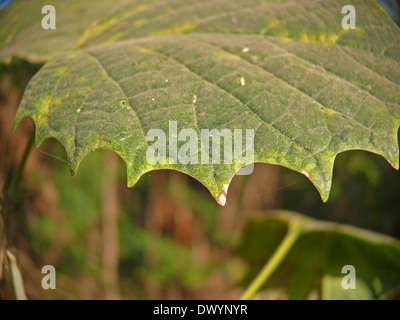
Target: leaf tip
[324, 195]
[395, 165]
[307, 174]
[220, 197]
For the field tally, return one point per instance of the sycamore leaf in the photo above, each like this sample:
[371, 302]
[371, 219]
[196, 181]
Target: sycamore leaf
[314, 266]
[288, 70]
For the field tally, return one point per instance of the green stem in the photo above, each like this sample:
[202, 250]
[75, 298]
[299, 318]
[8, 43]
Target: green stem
[9, 206]
[270, 266]
[18, 176]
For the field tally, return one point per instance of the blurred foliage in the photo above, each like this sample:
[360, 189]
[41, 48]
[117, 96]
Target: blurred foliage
[365, 193]
[20, 72]
[313, 266]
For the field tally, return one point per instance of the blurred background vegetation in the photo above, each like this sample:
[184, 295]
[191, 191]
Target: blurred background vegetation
[166, 238]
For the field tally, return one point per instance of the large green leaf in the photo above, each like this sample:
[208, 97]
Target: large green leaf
[287, 69]
[313, 267]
